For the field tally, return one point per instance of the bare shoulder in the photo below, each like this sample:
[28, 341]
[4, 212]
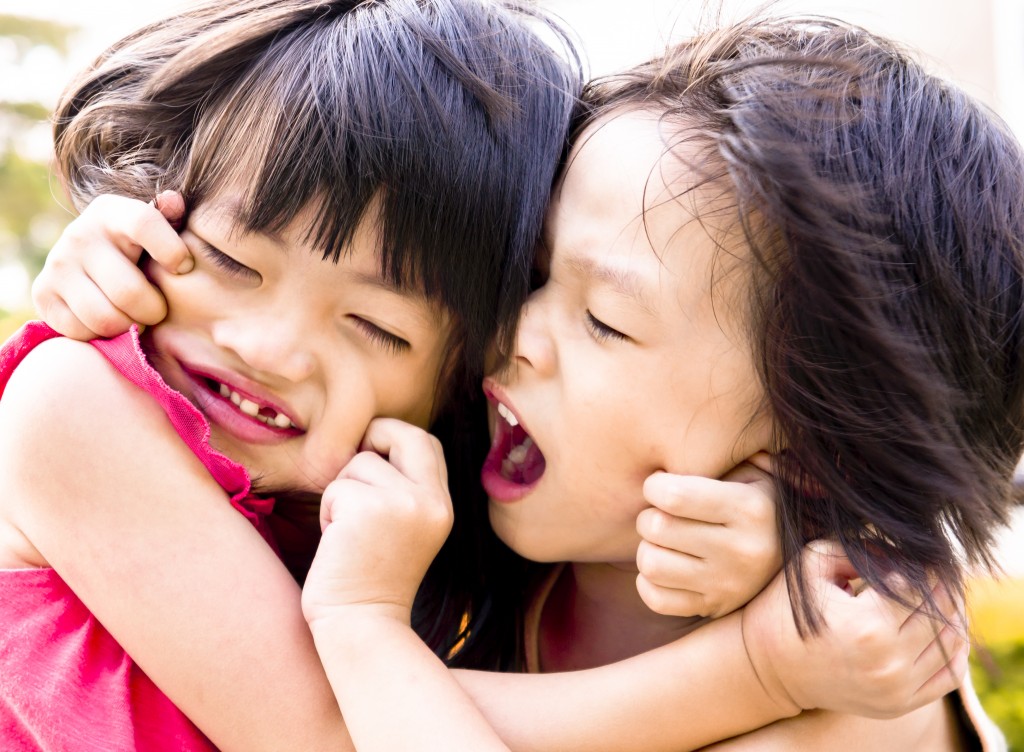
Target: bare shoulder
[65, 400]
[73, 431]
[59, 368]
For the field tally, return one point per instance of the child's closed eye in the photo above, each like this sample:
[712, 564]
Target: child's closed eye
[601, 331]
[227, 264]
[390, 343]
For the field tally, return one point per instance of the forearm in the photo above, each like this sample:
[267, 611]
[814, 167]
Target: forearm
[394, 692]
[685, 695]
[931, 728]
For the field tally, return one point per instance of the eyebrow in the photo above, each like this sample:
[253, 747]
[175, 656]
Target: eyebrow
[623, 282]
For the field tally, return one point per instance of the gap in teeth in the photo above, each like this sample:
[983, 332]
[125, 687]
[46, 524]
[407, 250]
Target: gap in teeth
[250, 408]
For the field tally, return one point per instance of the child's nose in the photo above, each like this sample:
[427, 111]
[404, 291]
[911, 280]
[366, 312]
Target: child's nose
[535, 347]
[271, 345]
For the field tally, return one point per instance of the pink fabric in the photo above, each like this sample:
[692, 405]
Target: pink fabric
[65, 683]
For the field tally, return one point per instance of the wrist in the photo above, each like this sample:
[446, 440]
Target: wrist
[764, 670]
[355, 620]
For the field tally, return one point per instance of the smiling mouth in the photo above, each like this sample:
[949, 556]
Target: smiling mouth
[263, 413]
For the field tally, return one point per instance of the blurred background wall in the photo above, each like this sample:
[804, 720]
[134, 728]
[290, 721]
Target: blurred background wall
[977, 43]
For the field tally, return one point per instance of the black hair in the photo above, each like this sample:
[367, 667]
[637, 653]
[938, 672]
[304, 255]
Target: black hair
[882, 209]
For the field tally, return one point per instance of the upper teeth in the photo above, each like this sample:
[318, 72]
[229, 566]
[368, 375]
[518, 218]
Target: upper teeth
[505, 413]
[252, 409]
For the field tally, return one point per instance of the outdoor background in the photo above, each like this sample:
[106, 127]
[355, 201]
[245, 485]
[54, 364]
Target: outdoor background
[979, 44]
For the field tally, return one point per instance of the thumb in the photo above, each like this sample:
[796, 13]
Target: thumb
[172, 206]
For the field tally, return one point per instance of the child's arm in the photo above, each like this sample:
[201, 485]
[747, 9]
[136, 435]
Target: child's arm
[91, 285]
[931, 728]
[682, 696]
[360, 591]
[876, 658]
[98, 485]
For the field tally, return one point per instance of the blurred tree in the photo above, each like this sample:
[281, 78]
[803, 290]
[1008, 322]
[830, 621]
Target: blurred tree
[31, 215]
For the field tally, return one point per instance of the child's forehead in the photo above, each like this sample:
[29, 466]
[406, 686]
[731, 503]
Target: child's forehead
[633, 154]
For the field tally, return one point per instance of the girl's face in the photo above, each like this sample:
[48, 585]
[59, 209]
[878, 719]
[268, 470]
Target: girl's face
[289, 356]
[625, 363]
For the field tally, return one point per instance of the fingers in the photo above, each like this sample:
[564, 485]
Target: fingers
[101, 299]
[135, 226]
[687, 496]
[142, 226]
[662, 579]
[719, 502]
[90, 285]
[669, 531]
[415, 453]
[126, 288]
[56, 312]
[949, 675]
[671, 601]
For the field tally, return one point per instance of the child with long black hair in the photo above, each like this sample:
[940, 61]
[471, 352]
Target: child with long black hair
[785, 237]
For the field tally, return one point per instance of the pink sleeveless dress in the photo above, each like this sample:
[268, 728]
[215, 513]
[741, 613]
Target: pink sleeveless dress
[65, 684]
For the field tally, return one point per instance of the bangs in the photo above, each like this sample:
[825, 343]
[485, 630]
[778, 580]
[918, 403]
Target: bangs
[360, 116]
[440, 123]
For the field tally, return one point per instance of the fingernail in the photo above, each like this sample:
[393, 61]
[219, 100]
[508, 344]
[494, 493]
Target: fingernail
[187, 264]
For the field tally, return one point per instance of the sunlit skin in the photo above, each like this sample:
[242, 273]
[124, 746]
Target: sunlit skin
[625, 362]
[328, 346]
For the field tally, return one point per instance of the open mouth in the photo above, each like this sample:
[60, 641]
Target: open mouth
[515, 462]
[263, 413]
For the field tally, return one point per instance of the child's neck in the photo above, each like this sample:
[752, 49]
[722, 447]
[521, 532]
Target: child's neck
[594, 616]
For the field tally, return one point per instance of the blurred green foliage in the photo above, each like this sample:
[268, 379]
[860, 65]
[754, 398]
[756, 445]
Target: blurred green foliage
[31, 216]
[998, 676]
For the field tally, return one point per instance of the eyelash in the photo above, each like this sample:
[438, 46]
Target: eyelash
[602, 331]
[389, 342]
[224, 262]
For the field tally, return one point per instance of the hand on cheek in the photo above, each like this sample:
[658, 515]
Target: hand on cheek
[91, 285]
[708, 546]
[383, 519]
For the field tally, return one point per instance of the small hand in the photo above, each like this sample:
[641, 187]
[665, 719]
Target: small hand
[872, 656]
[708, 546]
[383, 519]
[91, 285]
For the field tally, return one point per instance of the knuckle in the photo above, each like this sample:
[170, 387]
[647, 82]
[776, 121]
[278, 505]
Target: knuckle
[108, 322]
[650, 562]
[126, 295]
[658, 524]
[652, 596]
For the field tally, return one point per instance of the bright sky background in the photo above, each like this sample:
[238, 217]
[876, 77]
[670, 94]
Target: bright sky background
[961, 38]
